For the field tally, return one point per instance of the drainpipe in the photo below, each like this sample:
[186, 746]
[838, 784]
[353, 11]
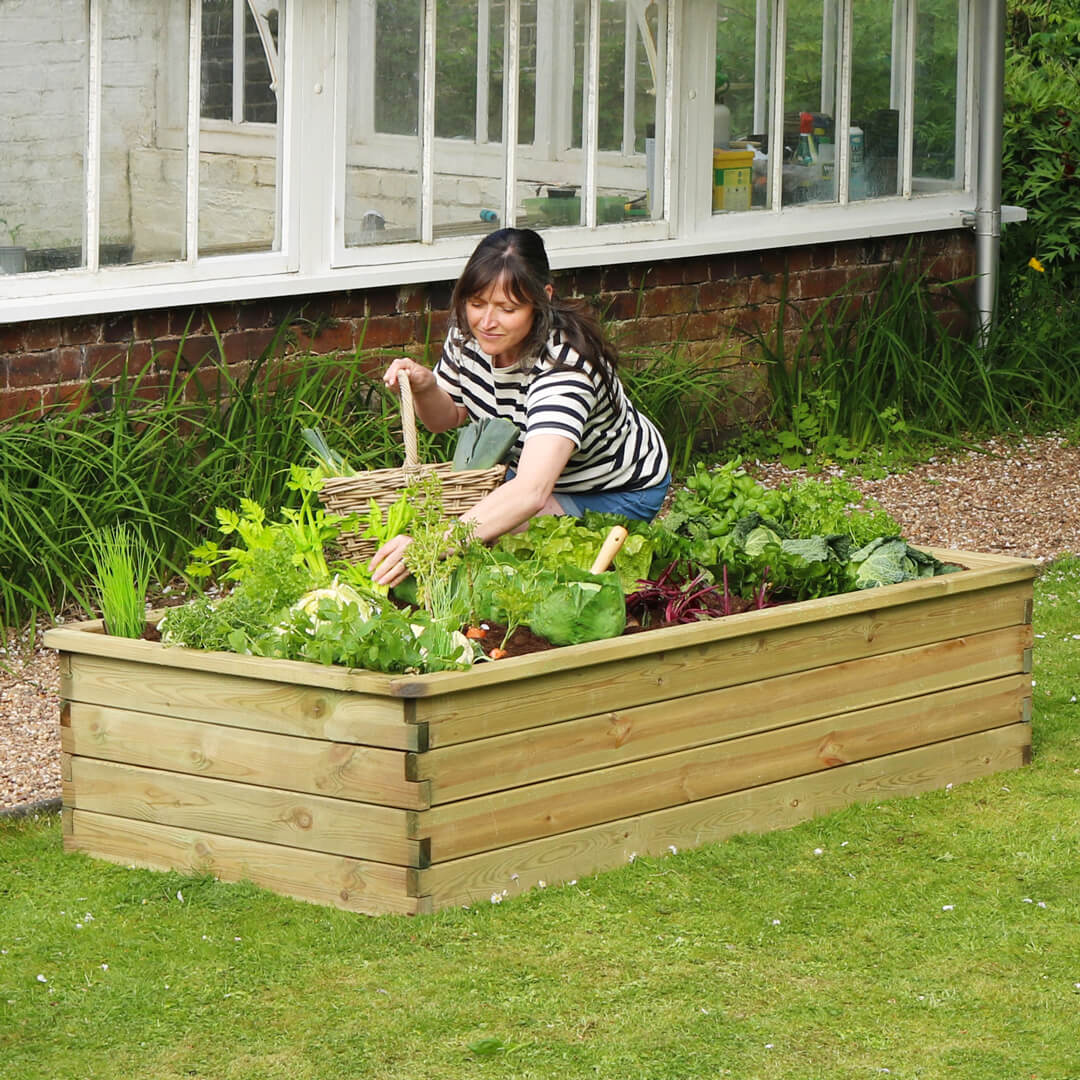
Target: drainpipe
[987, 221]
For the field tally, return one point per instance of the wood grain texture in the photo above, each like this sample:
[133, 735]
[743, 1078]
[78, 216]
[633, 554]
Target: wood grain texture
[369, 887]
[466, 769]
[675, 662]
[317, 766]
[554, 806]
[293, 819]
[238, 701]
[519, 867]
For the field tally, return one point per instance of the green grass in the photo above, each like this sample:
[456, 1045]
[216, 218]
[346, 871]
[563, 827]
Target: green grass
[932, 936]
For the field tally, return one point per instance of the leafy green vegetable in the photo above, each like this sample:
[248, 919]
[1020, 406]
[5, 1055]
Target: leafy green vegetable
[578, 607]
[482, 444]
[330, 462]
[888, 561]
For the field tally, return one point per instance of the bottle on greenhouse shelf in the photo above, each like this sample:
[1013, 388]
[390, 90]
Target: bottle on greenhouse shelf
[857, 176]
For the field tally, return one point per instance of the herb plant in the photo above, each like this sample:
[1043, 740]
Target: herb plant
[122, 566]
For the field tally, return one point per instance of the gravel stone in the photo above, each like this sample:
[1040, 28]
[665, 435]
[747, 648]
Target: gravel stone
[1018, 498]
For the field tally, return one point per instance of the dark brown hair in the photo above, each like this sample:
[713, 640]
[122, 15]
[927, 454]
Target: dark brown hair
[517, 260]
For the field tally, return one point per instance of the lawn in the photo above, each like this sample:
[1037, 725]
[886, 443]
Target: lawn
[921, 937]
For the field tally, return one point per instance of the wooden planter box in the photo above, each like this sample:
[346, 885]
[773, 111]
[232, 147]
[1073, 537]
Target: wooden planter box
[406, 794]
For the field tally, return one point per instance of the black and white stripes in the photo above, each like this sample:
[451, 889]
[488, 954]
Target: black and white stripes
[559, 393]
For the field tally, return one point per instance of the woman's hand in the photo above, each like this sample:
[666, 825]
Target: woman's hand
[421, 379]
[434, 406]
[387, 565]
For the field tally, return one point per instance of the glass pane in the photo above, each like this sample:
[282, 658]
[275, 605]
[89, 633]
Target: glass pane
[470, 75]
[936, 53]
[875, 101]
[239, 160]
[382, 178]
[741, 105]
[45, 69]
[810, 96]
[143, 95]
[630, 89]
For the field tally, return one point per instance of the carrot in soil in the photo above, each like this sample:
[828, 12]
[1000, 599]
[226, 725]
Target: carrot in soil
[498, 654]
[475, 633]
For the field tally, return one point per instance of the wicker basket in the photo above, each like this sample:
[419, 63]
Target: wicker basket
[353, 494]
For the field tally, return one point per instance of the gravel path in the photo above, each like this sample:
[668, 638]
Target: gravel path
[1015, 499]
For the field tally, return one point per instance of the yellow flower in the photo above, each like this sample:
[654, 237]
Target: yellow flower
[1036, 265]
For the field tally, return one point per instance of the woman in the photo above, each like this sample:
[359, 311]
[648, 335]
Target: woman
[516, 350]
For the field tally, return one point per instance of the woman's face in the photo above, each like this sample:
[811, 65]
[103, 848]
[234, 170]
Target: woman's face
[500, 323]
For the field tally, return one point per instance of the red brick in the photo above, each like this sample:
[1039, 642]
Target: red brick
[724, 295]
[70, 363]
[434, 329]
[799, 259]
[41, 335]
[666, 273]
[616, 278]
[253, 315]
[118, 328]
[747, 265]
[151, 325]
[395, 331]
[706, 326]
[195, 348]
[245, 345]
[722, 268]
[12, 338]
[33, 368]
[617, 306]
[81, 331]
[669, 300]
[412, 300]
[380, 302]
[695, 270]
[822, 283]
[587, 281]
[24, 404]
[342, 335]
[654, 331]
[769, 288]
[222, 317]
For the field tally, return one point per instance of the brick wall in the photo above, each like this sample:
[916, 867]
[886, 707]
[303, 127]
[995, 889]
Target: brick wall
[708, 304]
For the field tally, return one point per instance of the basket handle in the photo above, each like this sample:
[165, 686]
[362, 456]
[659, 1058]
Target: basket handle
[408, 420]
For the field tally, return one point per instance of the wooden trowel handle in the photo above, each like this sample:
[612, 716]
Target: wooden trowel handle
[609, 549]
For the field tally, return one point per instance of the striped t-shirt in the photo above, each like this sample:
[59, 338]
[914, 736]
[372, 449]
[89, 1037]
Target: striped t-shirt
[559, 393]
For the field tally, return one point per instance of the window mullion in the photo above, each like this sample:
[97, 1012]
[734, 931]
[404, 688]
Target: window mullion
[92, 178]
[511, 56]
[667, 32]
[841, 137]
[591, 119]
[776, 120]
[239, 72]
[427, 125]
[907, 112]
[483, 68]
[629, 75]
[194, 115]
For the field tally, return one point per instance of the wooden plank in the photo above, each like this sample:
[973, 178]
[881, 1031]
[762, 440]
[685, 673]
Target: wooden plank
[259, 704]
[553, 806]
[660, 670]
[568, 856]
[372, 888]
[359, 830]
[342, 770]
[89, 638]
[524, 757]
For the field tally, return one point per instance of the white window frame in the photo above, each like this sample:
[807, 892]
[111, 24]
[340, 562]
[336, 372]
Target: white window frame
[312, 257]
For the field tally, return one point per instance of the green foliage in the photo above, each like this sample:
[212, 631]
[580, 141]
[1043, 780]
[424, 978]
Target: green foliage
[834, 507]
[824, 950]
[1041, 151]
[121, 578]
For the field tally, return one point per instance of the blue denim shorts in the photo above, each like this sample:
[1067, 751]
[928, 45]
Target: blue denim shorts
[641, 505]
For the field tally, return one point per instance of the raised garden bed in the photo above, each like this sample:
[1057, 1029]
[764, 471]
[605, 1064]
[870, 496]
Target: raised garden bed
[382, 793]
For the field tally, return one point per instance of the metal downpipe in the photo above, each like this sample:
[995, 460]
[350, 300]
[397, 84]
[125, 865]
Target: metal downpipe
[988, 177]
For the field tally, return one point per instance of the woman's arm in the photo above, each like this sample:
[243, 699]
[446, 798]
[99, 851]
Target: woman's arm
[434, 406]
[511, 504]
